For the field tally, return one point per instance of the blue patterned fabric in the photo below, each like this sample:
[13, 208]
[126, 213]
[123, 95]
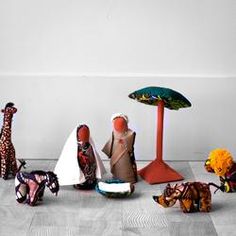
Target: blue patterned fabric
[152, 95]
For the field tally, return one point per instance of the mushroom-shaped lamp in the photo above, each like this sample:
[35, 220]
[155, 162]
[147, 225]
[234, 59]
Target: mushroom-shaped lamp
[158, 171]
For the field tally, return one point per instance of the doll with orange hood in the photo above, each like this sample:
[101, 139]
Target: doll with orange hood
[220, 162]
[79, 164]
[120, 150]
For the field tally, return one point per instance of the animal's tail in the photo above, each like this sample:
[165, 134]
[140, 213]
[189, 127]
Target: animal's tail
[217, 187]
[22, 164]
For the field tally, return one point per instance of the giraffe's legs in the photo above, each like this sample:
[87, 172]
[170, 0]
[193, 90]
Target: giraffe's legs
[12, 162]
[4, 167]
[0, 165]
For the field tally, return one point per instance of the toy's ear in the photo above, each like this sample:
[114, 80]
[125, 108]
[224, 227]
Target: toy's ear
[155, 198]
[2, 110]
[208, 167]
[229, 163]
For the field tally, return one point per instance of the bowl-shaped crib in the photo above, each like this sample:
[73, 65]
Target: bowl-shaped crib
[115, 188]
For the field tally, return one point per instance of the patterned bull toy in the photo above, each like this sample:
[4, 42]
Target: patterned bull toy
[30, 187]
[192, 196]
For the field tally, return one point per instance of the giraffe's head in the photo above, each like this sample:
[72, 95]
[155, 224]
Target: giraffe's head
[9, 109]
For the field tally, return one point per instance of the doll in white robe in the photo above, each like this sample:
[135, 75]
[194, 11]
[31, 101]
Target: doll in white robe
[79, 164]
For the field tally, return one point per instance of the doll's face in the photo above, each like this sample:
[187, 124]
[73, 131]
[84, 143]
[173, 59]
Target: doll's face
[120, 124]
[83, 134]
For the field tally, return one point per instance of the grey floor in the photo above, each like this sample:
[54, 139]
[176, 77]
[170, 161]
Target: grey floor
[76, 212]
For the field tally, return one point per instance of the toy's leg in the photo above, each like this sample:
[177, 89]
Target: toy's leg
[0, 165]
[34, 189]
[187, 206]
[28, 198]
[13, 164]
[4, 167]
[184, 209]
[205, 203]
[32, 201]
[21, 191]
[41, 193]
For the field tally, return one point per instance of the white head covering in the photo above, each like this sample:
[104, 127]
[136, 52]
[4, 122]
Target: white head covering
[120, 115]
[67, 168]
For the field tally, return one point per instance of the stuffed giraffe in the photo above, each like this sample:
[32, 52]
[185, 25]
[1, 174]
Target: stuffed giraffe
[7, 151]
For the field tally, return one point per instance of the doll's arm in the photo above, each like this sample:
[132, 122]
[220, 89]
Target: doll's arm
[32, 197]
[107, 149]
[232, 177]
[131, 152]
[132, 158]
[224, 187]
[83, 158]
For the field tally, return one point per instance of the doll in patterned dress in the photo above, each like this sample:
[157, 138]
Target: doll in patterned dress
[79, 164]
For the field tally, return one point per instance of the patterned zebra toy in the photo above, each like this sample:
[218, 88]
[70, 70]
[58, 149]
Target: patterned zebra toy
[30, 187]
[8, 163]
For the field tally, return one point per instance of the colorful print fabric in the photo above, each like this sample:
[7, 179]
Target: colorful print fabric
[152, 95]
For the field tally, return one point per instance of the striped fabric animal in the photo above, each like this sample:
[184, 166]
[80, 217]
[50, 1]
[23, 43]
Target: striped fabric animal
[30, 187]
[8, 163]
[192, 196]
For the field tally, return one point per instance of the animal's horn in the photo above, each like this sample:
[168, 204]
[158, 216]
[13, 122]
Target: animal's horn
[155, 198]
[9, 104]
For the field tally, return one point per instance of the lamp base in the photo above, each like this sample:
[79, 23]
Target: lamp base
[158, 172]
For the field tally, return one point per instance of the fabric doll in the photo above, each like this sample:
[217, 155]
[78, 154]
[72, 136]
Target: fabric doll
[120, 150]
[79, 164]
[220, 162]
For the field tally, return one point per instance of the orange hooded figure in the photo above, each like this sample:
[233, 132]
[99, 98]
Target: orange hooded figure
[120, 150]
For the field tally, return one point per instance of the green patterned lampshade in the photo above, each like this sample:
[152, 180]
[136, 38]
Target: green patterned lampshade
[152, 95]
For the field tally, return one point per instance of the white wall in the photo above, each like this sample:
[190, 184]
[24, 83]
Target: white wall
[193, 37]
[50, 107]
[56, 56]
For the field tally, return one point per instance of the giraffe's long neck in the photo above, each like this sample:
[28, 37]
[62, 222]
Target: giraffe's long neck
[6, 128]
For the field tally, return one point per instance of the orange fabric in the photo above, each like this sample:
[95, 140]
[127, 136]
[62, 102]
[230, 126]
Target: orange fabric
[160, 116]
[120, 124]
[159, 172]
[83, 134]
